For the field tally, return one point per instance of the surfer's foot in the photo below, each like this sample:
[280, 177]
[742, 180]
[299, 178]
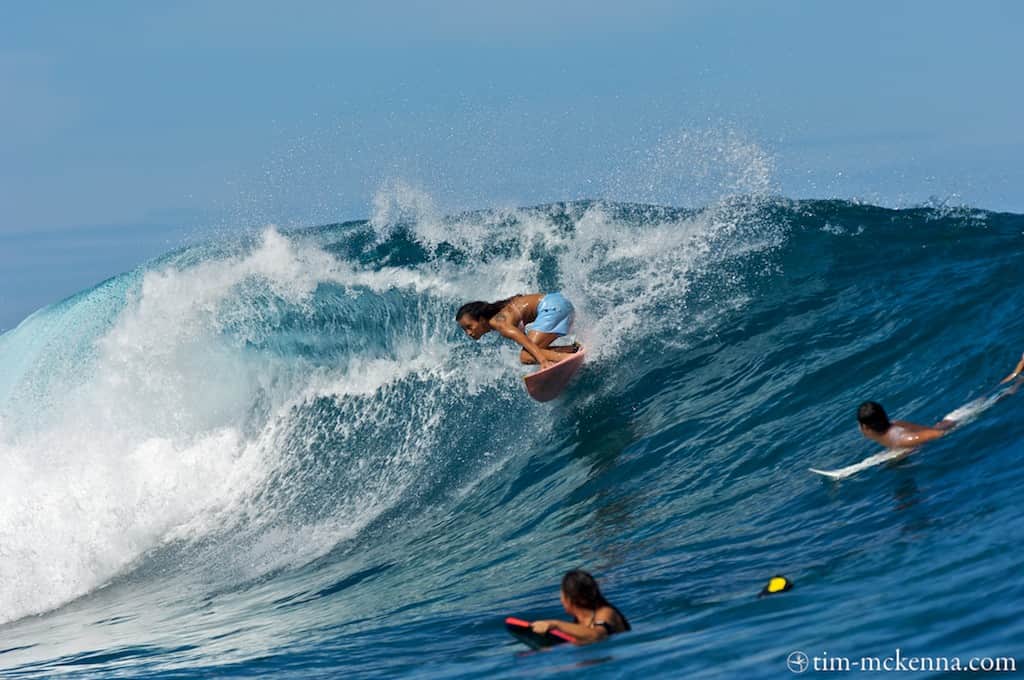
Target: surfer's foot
[576, 347]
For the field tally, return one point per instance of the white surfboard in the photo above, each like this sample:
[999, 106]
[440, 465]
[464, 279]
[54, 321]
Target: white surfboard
[962, 416]
[871, 461]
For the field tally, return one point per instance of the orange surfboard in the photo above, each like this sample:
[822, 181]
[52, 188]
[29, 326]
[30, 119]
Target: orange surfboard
[546, 384]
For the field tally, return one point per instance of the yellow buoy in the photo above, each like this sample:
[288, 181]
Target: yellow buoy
[777, 584]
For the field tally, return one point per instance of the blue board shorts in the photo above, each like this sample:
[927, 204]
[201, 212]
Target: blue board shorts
[555, 314]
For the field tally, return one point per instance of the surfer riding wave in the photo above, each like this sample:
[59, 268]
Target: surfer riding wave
[533, 320]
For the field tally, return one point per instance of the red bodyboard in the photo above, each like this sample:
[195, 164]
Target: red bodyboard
[522, 631]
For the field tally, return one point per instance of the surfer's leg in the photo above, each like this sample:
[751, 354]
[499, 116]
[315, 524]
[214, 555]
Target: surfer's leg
[553, 353]
[542, 340]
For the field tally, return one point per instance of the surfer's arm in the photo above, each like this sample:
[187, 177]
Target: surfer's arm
[582, 634]
[922, 435]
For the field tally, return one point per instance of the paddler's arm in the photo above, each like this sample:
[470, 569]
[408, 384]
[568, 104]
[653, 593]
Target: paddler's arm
[1016, 372]
[914, 435]
[582, 634]
[501, 323]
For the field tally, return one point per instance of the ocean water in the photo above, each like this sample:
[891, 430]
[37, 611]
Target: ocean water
[276, 454]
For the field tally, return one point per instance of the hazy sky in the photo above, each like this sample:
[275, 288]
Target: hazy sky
[124, 126]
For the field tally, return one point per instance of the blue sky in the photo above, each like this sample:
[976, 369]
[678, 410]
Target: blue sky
[127, 127]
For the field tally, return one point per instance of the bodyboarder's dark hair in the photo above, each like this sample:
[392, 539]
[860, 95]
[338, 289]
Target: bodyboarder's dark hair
[581, 589]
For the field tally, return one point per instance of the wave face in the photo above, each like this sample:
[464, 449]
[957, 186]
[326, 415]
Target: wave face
[278, 454]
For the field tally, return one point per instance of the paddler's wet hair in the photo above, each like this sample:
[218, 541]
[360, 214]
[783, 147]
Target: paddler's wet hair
[481, 309]
[871, 415]
[581, 589]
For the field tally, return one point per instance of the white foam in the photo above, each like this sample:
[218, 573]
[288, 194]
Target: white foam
[169, 426]
[159, 441]
[620, 275]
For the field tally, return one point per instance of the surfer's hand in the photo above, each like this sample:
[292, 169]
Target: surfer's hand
[540, 627]
[547, 363]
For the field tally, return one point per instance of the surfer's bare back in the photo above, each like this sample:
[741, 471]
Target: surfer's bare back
[900, 434]
[534, 321]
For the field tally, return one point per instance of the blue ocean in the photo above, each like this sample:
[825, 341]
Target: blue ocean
[276, 454]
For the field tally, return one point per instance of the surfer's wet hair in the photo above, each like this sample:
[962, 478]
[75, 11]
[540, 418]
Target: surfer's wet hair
[871, 415]
[482, 310]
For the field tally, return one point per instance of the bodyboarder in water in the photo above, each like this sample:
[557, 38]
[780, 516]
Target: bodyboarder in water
[594, 617]
[534, 321]
[900, 434]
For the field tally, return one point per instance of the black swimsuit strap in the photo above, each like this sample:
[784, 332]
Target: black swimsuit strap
[594, 623]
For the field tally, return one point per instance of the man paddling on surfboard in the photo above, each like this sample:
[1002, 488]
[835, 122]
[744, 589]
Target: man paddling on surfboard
[876, 426]
[900, 434]
[534, 321]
